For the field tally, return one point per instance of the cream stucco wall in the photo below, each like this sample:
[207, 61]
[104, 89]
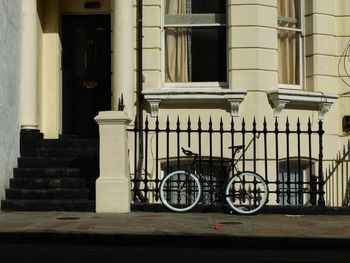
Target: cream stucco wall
[77, 7]
[152, 44]
[49, 58]
[252, 45]
[252, 62]
[252, 53]
[49, 68]
[10, 55]
[253, 65]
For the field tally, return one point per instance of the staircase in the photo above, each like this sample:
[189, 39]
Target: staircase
[60, 178]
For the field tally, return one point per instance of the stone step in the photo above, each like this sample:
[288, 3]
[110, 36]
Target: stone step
[44, 194]
[36, 162]
[45, 183]
[70, 143]
[46, 172]
[70, 152]
[61, 177]
[48, 205]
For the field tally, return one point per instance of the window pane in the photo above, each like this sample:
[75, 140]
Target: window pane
[195, 54]
[194, 6]
[288, 187]
[288, 54]
[175, 7]
[176, 54]
[208, 6]
[289, 13]
[289, 41]
[195, 19]
[209, 54]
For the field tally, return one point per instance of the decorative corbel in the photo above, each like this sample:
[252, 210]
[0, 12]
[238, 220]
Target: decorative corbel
[278, 107]
[234, 106]
[154, 104]
[323, 109]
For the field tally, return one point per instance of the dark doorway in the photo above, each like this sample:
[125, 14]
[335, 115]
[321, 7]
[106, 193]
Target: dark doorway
[86, 64]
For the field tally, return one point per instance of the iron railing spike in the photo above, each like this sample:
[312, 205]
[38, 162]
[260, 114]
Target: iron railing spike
[173, 157]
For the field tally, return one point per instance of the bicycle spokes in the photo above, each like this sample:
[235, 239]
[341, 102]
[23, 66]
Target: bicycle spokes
[180, 191]
[246, 193]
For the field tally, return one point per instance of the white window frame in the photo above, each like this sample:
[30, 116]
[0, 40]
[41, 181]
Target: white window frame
[294, 173]
[301, 51]
[181, 85]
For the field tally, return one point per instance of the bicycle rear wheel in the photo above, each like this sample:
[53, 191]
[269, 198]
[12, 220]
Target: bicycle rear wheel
[246, 193]
[180, 191]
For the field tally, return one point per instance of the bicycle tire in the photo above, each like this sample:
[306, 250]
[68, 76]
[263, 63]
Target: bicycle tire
[180, 191]
[246, 193]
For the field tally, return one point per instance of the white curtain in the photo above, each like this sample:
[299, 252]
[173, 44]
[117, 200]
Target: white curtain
[287, 44]
[176, 51]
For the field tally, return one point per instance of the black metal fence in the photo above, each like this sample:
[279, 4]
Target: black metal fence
[288, 157]
[337, 179]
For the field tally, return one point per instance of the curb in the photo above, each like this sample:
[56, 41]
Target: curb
[181, 240]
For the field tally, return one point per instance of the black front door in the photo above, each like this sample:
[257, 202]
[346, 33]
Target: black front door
[86, 72]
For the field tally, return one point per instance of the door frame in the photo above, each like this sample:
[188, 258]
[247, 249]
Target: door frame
[66, 100]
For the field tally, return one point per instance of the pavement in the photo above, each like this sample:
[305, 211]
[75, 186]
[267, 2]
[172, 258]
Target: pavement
[164, 228]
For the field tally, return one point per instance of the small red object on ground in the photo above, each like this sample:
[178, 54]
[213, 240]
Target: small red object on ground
[217, 227]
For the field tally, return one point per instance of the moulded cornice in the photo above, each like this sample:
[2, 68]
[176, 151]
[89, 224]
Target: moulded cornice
[112, 117]
[156, 96]
[304, 100]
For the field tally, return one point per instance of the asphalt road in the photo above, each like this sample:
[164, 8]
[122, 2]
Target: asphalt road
[64, 253]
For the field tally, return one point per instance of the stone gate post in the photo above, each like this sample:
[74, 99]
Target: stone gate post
[113, 191]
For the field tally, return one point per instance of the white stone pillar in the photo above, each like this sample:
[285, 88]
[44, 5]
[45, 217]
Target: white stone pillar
[29, 62]
[113, 187]
[123, 54]
[252, 45]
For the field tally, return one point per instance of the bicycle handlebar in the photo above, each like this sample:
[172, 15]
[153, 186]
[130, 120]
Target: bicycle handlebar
[188, 152]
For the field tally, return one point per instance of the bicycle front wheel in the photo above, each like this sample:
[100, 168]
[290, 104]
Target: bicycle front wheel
[246, 193]
[180, 191]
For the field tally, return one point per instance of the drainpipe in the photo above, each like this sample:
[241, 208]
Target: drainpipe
[139, 64]
[139, 95]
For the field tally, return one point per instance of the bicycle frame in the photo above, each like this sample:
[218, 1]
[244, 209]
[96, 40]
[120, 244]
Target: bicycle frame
[218, 195]
[232, 167]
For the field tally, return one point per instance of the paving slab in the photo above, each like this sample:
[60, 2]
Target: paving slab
[216, 228]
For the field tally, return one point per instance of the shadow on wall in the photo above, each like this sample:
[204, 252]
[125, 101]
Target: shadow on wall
[10, 50]
[89, 170]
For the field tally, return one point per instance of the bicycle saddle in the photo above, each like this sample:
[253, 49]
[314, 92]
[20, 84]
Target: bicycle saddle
[237, 147]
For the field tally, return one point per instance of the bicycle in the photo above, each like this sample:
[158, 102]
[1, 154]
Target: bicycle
[245, 192]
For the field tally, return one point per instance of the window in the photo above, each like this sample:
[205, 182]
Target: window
[290, 191]
[195, 40]
[290, 43]
[298, 187]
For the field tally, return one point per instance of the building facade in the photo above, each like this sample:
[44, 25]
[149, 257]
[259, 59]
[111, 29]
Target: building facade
[10, 45]
[225, 59]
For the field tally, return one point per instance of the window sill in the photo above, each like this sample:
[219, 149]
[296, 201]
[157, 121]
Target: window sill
[290, 86]
[180, 94]
[298, 99]
[190, 85]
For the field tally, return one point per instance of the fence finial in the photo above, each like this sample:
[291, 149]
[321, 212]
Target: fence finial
[121, 104]
[173, 139]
